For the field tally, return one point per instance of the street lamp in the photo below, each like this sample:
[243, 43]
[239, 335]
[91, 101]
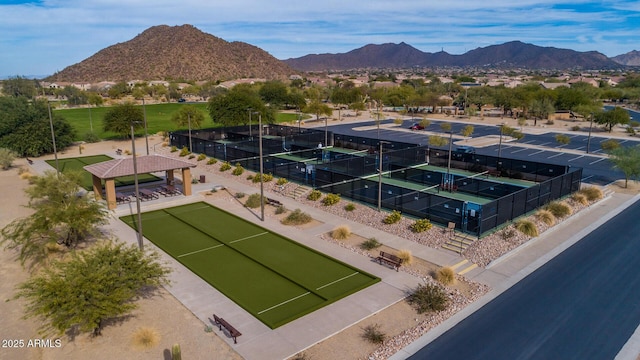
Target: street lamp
[189, 122]
[589, 138]
[449, 161]
[250, 112]
[380, 176]
[137, 190]
[500, 142]
[261, 165]
[146, 136]
[53, 138]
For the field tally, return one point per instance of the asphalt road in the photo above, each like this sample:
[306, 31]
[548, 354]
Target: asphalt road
[583, 304]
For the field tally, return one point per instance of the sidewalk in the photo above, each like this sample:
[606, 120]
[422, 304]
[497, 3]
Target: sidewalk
[512, 267]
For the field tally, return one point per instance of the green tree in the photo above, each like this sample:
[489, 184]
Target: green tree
[189, 116]
[274, 93]
[612, 118]
[119, 119]
[232, 108]
[627, 160]
[563, 139]
[92, 286]
[467, 131]
[119, 90]
[25, 127]
[60, 216]
[19, 86]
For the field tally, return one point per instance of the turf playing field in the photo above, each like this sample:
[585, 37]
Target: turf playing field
[274, 278]
[77, 163]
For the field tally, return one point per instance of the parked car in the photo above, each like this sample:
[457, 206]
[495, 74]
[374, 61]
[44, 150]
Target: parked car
[416, 126]
[182, 100]
[463, 149]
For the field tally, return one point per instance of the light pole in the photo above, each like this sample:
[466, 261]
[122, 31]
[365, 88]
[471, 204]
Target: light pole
[449, 161]
[53, 138]
[146, 136]
[299, 120]
[500, 142]
[380, 175]
[589, 138]
[250, 112]
[261, 166]
[189, 122]
[326, 137]
[137, 190]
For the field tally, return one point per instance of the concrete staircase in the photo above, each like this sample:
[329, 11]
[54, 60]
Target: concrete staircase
[458, 242]
[298, 192]
[463, 267]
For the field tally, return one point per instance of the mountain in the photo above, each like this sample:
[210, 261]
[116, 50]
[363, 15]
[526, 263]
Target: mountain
[175, 52]
[632, 58]
[514, 54]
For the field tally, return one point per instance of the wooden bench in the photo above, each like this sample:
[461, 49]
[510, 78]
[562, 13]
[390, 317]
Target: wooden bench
[273, 202]
[232, 331]
[390, 259]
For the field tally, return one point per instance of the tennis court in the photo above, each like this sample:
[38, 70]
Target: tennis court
[77, 163]
[275, 279]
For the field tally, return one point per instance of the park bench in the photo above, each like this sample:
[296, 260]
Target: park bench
[273, 202]
[222, 323]
[390, 259]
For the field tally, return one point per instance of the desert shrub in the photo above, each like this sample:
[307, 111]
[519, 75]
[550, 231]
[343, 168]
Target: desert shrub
[446, 276]
[239, 195]
[373, 334]
[331, 199]
[146, 337]
[176, 353]
[563, 139]
[280, 210]
[201, 157]
[425, 123]
[507, 234]
[341, 233]
[405, 256]
[91, 137]
[350, 207]
[592, 193]
[575, 128]
[393, 217]
[609, 145]
[253, 201]
[546, 217]
[527, 227]
[314, 195]
[297, 217]
[559, 209]
[238, 170]
[184, 151]
[398, 121]
[191, 156]
[300, 356]
[250, 177]
[6, 158]
[282, 181]
[428, 297]
[265, 178]
[174, 148]
[212, 161]
[580, 198]
[370, 244]
[421, 225]
[225, 166]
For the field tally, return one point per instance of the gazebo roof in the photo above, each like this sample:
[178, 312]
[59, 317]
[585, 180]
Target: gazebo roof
[145, 164]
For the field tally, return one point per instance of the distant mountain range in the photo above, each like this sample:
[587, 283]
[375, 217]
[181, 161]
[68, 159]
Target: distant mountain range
[184, 52]
[175, 52]
[514, 54]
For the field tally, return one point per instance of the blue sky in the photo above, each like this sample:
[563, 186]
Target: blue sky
[41, 37]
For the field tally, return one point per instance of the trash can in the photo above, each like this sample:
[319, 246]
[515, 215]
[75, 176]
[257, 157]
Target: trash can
[202, 179]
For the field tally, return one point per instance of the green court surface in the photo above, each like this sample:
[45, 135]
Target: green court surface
[274, 278]
[77, 163]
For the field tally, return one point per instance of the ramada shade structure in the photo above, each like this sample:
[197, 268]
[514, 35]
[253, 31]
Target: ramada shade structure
[109, 170]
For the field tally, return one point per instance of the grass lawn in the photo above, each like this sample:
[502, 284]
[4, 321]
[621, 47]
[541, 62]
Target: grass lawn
[78, 163]
[274, 278]
[158, 119]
